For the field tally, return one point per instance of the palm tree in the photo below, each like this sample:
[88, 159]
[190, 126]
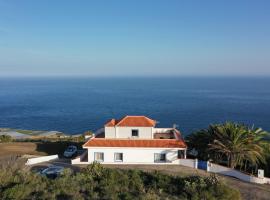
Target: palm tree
[237, 143]
[199, 141]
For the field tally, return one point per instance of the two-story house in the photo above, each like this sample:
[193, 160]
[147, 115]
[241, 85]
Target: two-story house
[134, 140]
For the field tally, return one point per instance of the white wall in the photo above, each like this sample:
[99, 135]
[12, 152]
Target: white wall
[32, 161]
[125, 132]
[110, 132]
[187, 162]
[79, 159]
[133, 155]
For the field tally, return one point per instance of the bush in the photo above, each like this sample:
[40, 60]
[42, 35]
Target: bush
[5, 138]
[97, 182]
[88, 133]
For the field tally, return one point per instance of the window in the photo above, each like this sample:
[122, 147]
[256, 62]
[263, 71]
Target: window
[99, 156]
[160, 157]
[118, 157]
[135, 133]
[181, 154]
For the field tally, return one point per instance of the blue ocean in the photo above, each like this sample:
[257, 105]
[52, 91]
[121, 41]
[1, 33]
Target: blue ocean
[74, 105]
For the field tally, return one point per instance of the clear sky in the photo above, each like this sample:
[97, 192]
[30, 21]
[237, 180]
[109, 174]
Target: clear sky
[135, 38]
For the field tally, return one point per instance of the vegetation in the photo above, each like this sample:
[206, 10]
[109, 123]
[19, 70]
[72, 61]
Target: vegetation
[96, 182]
[236, 144]
[88, 133]
[27, 132]
[5, 138]
[266, 165]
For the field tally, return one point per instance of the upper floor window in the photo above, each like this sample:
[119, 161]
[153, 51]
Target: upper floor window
[135, 133]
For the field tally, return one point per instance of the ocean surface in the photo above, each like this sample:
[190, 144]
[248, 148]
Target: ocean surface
[74, 105]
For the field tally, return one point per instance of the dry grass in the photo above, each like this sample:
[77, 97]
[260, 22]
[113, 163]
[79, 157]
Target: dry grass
[18, 149]
[35, 148]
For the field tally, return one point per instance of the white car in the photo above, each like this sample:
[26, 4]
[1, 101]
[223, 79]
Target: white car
[52, 171]
[70, 151]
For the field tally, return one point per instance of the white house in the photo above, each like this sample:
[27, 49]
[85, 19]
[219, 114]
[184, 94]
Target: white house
[134, 140]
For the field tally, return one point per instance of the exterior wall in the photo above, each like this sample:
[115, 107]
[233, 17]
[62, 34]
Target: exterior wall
[133, 155]
[193, 163]
[110, 132]
[80, 159]
[125, 132]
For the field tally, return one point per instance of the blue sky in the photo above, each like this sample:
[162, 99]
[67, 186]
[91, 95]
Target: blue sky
[135, 38]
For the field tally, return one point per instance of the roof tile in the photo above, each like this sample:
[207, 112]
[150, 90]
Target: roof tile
[148, 143]
[129, 121]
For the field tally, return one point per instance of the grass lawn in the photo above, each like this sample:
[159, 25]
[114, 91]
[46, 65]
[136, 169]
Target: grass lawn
[27, 132]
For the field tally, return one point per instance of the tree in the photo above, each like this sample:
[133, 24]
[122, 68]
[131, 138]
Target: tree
[235, 142]
[199, 141]
[238, 143]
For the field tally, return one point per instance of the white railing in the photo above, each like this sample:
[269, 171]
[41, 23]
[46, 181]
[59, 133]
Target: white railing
[161, 130]
[32, 161]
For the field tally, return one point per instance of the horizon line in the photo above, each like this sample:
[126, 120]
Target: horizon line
[132, 76]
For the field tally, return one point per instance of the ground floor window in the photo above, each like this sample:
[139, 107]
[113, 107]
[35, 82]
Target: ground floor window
[160, 157]
[99, 156]
[181, 154]
[118, 157]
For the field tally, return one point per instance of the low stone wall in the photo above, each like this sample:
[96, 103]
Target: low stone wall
[32, 161]
[214, 168]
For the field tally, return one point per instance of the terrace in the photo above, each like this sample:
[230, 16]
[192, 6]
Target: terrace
[166, 133]
[158, 133]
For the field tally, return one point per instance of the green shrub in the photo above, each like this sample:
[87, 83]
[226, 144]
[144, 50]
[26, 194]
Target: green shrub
[97, 182]
[5, 138]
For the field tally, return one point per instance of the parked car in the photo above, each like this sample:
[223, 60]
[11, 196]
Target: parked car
[70, 151]
[52, 171]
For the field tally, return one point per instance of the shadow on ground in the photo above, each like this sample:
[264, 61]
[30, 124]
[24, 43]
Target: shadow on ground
[57, 147]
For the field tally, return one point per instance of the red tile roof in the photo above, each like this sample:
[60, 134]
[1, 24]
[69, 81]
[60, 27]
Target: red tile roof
[112, 122]
[146, 143]
[136, 121]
